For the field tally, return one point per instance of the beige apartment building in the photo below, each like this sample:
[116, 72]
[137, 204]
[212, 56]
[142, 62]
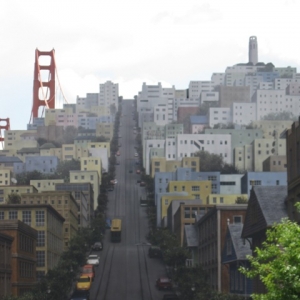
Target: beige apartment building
[5, 191]
[49, 225]
[64, 203]
[84, 177]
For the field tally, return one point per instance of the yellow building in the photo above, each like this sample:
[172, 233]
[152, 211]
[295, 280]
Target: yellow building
[87, 177]
[72, 151]
[18, 139]
[15, 189]
[45, 184]
[4, 177]
[161, 164]
[53, 114]
[51, 151]
[198, 189]
[49, 224]
[64, 203]
[225, 198]
[105, 145]
[194, 190]
[91, 164]
[269, 127]
[105, 129]
[166, 200]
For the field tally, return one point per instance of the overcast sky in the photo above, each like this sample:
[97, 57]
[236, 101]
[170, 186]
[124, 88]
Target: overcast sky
[134, 41]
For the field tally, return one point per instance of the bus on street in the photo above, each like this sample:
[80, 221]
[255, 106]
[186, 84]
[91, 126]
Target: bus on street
[115, 230]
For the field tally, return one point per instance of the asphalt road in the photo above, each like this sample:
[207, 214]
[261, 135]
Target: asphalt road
[125, 271]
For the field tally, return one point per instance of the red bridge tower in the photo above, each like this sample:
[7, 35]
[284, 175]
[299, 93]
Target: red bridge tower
[44, 89]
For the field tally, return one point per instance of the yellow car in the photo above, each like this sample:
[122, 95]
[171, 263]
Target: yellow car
[84, 283]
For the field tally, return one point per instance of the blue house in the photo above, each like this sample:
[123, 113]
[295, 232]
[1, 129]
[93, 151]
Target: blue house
[251, 179]
[234, 254]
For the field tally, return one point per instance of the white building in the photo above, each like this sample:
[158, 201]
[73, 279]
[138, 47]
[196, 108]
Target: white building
[197, 87]
[243, 113]
[109, 94]
[188, 144]
[219, 115]
[275, 101]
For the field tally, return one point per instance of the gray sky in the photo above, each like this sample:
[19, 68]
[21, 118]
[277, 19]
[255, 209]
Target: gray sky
[136, 41]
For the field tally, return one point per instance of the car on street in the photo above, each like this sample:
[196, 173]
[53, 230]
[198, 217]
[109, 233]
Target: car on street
[84, 282]
[117, 162]
[130, 171]
[138, 181]
[88, 270]
[118, 153]
[97, 246]
[80, 295]
[137, 162]
[142, 183]
[164, 283]
[93, 259]
[136, 154]
[137, 171]
[154, 251]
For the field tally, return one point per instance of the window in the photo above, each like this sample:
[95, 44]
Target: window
[40, 218]
[214, 199]
[26, 217]
[40, 257]
[221, 199]
[175, 188]
[237, 219]
[166, 202]
[195, 188]
[1, 215]
[183, 188]
[255, 182]
[187, 212]
[40, 239]
[13, 215]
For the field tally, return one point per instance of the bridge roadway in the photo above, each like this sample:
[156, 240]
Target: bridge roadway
[125, 271]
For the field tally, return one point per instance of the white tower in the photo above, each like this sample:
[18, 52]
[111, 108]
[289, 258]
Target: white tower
[253, 53]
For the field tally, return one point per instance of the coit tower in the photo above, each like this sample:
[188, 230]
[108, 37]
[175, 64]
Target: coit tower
[253, 54]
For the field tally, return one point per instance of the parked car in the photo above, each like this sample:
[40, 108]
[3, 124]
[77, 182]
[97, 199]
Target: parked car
[84, 283]
[137, 171]
[80, 295]
[136, 154]
[142, 183]
[164, 283]
[137, 162]
[154, 251]
[118, 153]
[93, 259]
[88, 270]
[97, 246]
[117, 162]
[170, 297]
[130, 171]
[138, 181]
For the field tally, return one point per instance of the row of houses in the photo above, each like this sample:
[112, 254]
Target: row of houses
[219, 235]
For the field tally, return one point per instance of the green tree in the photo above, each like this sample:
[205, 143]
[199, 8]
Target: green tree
[25, 177]
[14, 198]
[277, 262]
[241, 200]
[64, 167]
[282, 116]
